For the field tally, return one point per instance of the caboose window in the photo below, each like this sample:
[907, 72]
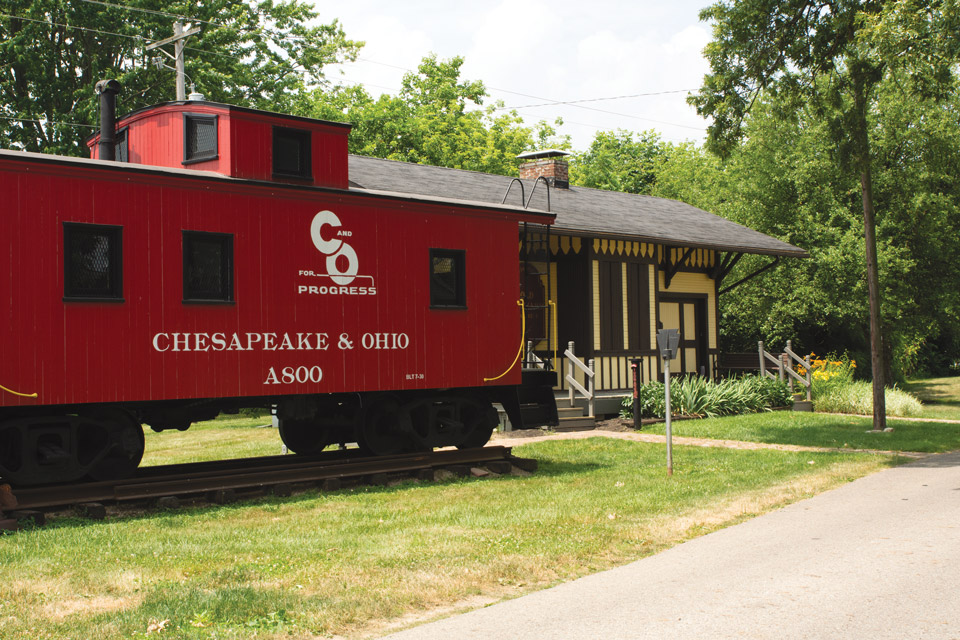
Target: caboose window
[92, 263]
[448, 282]
[121, 149]
[207, 267]
[291, 153]
[199, 138]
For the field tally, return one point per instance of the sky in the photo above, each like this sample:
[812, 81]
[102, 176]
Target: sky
[540, 52]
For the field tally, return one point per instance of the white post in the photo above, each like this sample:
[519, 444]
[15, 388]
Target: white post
[570, 372]
[666, 384]
[763, 365]
[591, 387]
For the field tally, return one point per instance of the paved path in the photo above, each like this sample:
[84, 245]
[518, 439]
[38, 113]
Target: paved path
[875, 559]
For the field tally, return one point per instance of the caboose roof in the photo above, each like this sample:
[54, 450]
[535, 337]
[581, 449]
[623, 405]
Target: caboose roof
[532, 214]
[272, 115]
[579, 210]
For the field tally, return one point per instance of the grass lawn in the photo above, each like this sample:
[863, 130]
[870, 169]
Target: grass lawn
[220, 439]
[355, 561]
[940, 397]
[821, 430]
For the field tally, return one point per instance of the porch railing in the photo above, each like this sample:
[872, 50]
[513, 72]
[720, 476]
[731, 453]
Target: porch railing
[784, 364]
[588, 374]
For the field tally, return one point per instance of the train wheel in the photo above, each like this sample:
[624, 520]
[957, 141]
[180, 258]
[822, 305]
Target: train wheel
[380, 427]
[303, 437]
[479, 421]
[119, 439]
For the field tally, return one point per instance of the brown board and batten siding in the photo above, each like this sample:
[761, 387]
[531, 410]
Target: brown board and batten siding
[622, 264]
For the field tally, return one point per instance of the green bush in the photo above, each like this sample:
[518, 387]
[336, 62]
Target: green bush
[836, 391]
[857, 397]
[697, 396]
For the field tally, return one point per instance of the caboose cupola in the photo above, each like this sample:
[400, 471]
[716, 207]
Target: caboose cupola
[232, 141]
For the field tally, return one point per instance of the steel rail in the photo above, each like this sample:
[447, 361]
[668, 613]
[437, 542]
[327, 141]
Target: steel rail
[200, 478]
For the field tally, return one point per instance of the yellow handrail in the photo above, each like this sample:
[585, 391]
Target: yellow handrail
[22, 395]
[556, 338]
[523, 331]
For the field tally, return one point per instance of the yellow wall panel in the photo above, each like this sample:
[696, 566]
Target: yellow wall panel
[596, 304]
[685, 282]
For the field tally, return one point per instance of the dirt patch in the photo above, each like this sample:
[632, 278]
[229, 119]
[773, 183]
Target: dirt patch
[89, 606]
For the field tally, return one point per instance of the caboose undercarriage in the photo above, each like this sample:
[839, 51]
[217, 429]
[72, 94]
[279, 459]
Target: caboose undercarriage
[105, 442]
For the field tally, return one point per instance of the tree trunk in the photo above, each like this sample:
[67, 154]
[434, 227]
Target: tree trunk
[862, 160]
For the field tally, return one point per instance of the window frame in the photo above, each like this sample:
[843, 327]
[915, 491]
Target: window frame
[121, 146]
[188, 118]
[115, 265]
[459, 257]
[305, 137]
[226, 265]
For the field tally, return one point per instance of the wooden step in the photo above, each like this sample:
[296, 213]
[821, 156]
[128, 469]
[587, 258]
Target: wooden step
[577, 423]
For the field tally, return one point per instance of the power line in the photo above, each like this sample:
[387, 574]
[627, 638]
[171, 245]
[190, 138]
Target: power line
[281, 36]
[573, 102]
[71, 26]
[65, 124]
[293, 67]
[151, 11]
[138, 38]
[547, 102]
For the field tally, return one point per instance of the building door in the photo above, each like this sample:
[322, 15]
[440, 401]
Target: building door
[689, 316]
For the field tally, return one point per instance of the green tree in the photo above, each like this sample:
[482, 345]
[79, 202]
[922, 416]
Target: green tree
[834, 54]
[786, 180]
[689, 173]
[616, 161]
[52, 53]
[436, 119]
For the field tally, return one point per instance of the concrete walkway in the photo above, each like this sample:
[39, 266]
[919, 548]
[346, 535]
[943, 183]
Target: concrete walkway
[875, 559]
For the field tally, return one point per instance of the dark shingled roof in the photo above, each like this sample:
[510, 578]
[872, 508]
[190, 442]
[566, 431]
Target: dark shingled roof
[583, 211]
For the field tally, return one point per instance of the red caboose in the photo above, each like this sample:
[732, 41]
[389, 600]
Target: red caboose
[239, 269]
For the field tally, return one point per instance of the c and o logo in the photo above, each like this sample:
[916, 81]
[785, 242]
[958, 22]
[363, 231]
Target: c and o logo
[336, 250]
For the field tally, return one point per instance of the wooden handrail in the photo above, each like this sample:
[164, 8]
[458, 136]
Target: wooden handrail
[588, 393]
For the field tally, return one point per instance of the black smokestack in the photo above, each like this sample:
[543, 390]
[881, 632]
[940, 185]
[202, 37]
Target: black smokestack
[108, 90]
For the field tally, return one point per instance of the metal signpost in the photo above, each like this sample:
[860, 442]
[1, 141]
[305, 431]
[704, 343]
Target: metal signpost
[668, 341]
[635, 368]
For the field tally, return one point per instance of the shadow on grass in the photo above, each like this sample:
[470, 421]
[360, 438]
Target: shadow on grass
[938, 461]
[932, 391]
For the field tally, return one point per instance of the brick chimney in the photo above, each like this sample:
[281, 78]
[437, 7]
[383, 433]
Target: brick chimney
[549, 163]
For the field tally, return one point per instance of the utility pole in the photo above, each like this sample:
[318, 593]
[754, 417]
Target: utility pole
[179, 36]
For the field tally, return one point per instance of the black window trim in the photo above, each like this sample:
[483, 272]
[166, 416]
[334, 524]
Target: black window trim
[306, 153]
[187, 116]
[122, 139]
[460, 260]
[116, 263]
[228, 267]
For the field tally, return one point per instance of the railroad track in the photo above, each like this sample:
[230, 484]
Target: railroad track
[221, 481]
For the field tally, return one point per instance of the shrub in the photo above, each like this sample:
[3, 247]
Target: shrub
[698, 396]
[835, 390]
[857, 397]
